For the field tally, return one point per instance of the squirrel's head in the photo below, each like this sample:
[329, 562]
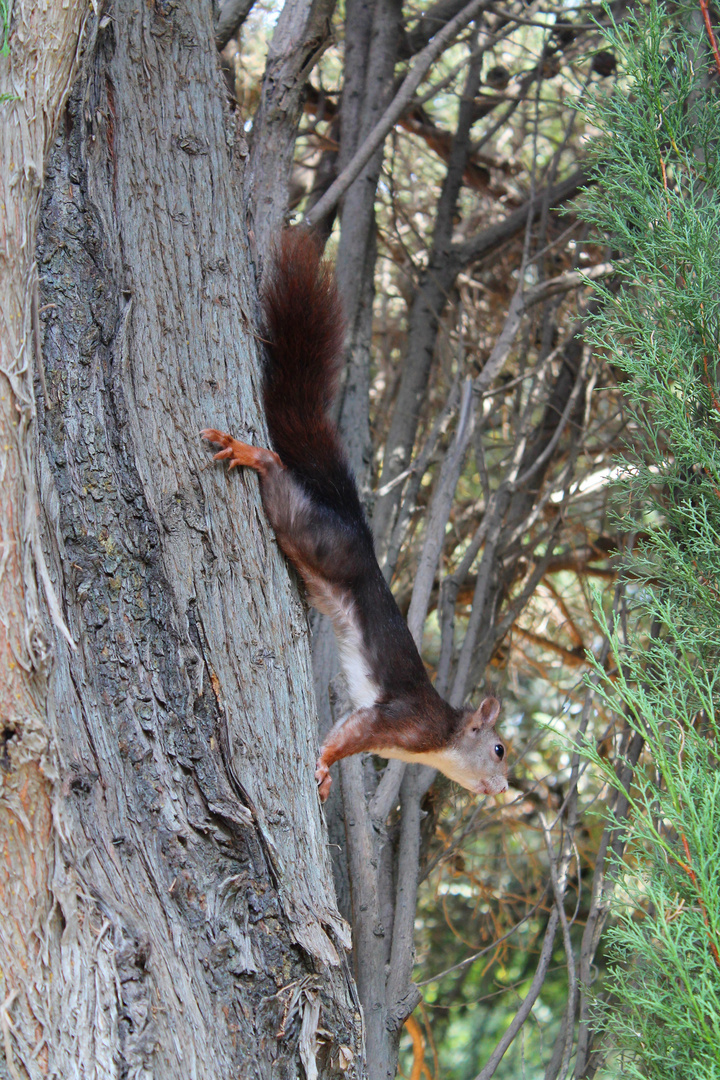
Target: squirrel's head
[481, 751]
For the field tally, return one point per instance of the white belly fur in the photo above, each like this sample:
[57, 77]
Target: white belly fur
[340, 607]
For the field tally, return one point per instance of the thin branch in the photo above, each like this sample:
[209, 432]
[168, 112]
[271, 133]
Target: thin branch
[573, 279]
[496, 509]
[394, 111]
[387, 791]
[570, 622]
[368, 947]
[488, 948]
[416, 471]
[401, 954]
[530, 998]
[710, 33]
[527, 592]
[489, 239]
[542, 26]
[440, 510]
[482, 585]
[233, 14]
[557, 434]
[558, 877]
[572, 659]
[602, 890]
[501, 349]
[428, 25]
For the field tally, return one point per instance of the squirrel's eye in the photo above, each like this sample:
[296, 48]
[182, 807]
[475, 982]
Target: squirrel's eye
[500, 750]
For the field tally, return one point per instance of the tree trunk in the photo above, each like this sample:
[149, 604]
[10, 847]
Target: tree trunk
[301, 35]
[172, 891]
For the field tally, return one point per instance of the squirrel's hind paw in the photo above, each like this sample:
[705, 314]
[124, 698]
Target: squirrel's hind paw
[324, 781]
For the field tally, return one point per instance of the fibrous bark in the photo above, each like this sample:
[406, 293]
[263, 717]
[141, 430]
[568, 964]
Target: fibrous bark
[36, 69]
[186, 923]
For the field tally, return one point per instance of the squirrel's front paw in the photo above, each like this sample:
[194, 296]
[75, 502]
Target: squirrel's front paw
[233, 451]
[213, 435]
[238, 453]
[221, 438]
[324, 780]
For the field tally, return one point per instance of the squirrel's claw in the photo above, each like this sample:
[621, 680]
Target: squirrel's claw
[213, 435]
[238, 453]
[324, 781]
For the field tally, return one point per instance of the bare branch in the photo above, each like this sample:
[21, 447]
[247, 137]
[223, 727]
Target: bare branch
[387, 791]
[488, 948]
[544, 457]
[402, 99]
[233, 14]
[573, 279]
[428, 25]
[496, 361]
[477, 614]
[530, 998]
[301, 36]
[558, 878]
[368, 946]
[401, 955]
[489, 239]
[439, 515]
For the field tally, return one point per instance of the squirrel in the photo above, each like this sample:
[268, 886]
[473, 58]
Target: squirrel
[311, 499]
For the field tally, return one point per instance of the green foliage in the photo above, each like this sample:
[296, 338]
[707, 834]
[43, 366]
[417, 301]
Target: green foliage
[4, 29]
[660, 205]
[665, 1007]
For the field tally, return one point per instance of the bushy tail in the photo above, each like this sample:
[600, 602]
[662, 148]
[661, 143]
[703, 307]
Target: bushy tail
[304, 327]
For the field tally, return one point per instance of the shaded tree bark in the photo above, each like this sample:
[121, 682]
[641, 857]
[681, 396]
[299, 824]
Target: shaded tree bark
[231, 16]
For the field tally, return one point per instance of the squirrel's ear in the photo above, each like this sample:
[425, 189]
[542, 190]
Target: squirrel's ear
[488, 712]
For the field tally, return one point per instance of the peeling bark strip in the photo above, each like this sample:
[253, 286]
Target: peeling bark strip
[164, 864]
[34, 80]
